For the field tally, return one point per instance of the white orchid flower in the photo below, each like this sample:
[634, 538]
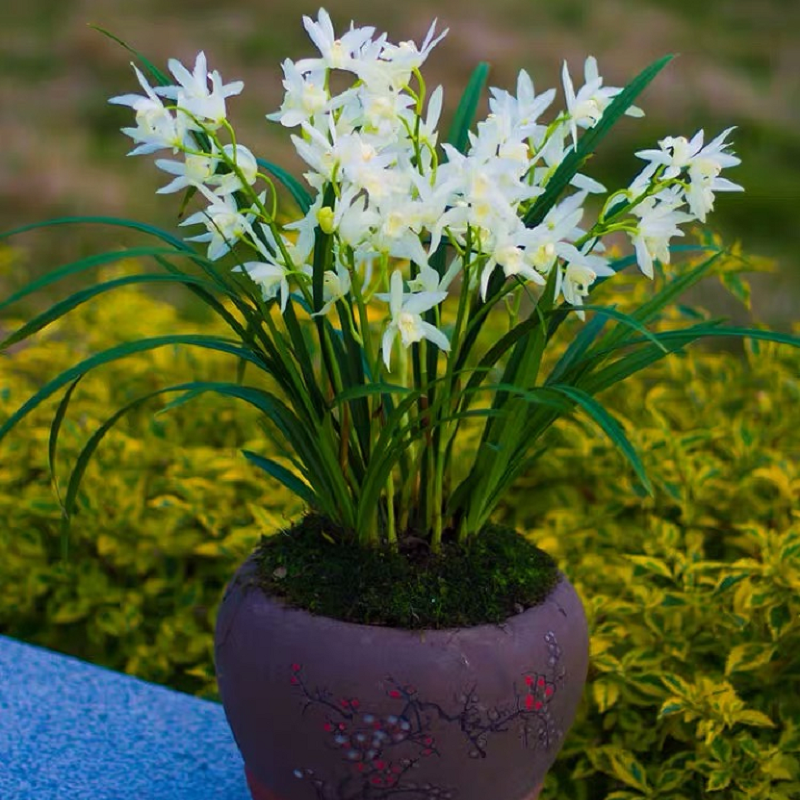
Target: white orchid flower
[677, 153]
[335, 53]
[581, 271]
[704, 164]
[335, 286]
[406, 320]
[271, 279]
[245, 161]
[524, 110]
[587, 106]
[306, 96]
[508, 251]
[157, 128]
[658, 223]
[428, 279]
[226, 224]
[194, 94]
[398, 61]
[552, 153]
[194, 170]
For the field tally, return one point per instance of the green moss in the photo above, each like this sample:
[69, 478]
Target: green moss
[498, 575]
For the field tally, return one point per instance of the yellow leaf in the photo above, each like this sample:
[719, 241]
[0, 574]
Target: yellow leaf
[673, 705]
[718, 780]
[781, 767]
[654, 565]
[627, 769]
[606, 694]
[754, 718]
[207, 549]
[748, 657]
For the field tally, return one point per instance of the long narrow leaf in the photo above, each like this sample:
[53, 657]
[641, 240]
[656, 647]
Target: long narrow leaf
[261, 399]
[296, 189]
[458, 134]
[588, 334]
[367, 390]
[61, 308]
[157, 74]
[649, 310]
[577, 347]
[122, 351]
[587, 144]
[81, 265]
[151, 230]
[608, 424]
[284, 476]
[52, 444]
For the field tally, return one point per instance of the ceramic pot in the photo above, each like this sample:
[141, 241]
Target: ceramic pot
[328, 710]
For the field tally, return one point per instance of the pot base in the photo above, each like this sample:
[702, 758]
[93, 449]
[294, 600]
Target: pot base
[260, 792]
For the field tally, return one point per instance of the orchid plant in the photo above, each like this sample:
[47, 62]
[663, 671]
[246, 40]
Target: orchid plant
[365, 313]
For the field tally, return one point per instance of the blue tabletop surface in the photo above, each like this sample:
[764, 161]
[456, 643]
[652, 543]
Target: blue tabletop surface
[74, 731]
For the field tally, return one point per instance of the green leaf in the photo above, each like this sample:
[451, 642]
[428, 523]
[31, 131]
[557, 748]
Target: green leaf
[323, 253]
[52, 450]
[151, 230]
[589, 141]
[581, 343]
[748, 657]
[738, 287]
[502, 346]
[458, 135]
[605, 693]
[609, 425]
[327, 482]
[754, 718]
[75, 267]
[577, 347]
[722, 749]
[367, 390]
[779, 618]
[719, 779]
[629, 770]
[671, 707]
[667, 295]
[678, 685]
[122, 351]
[729, 580]
[63, 307]
[653, 565]
[284, 476]
[296, 189]
[155, 72]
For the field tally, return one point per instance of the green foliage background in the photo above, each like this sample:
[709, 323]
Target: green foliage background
[692, 596]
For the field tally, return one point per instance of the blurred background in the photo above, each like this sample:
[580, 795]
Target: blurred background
[61, 151]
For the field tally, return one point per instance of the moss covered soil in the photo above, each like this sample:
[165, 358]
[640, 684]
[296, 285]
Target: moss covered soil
[498, 575]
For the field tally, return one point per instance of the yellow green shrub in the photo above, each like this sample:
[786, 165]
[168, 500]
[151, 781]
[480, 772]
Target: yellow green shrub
[168, 508]
[692, 595]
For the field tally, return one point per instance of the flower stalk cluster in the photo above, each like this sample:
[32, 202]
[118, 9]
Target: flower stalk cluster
[400, 225]
[368, 310]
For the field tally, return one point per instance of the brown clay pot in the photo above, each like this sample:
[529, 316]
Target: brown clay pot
[329, 710]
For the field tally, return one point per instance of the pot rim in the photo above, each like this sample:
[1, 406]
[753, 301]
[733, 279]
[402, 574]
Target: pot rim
[249, 567]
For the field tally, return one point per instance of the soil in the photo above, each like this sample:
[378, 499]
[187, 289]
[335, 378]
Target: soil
[499, 574]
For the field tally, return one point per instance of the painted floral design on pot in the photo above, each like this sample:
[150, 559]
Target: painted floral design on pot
[381, 749]
[327, 710]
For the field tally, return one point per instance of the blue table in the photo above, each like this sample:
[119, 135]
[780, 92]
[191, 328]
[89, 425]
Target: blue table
[74, 731]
